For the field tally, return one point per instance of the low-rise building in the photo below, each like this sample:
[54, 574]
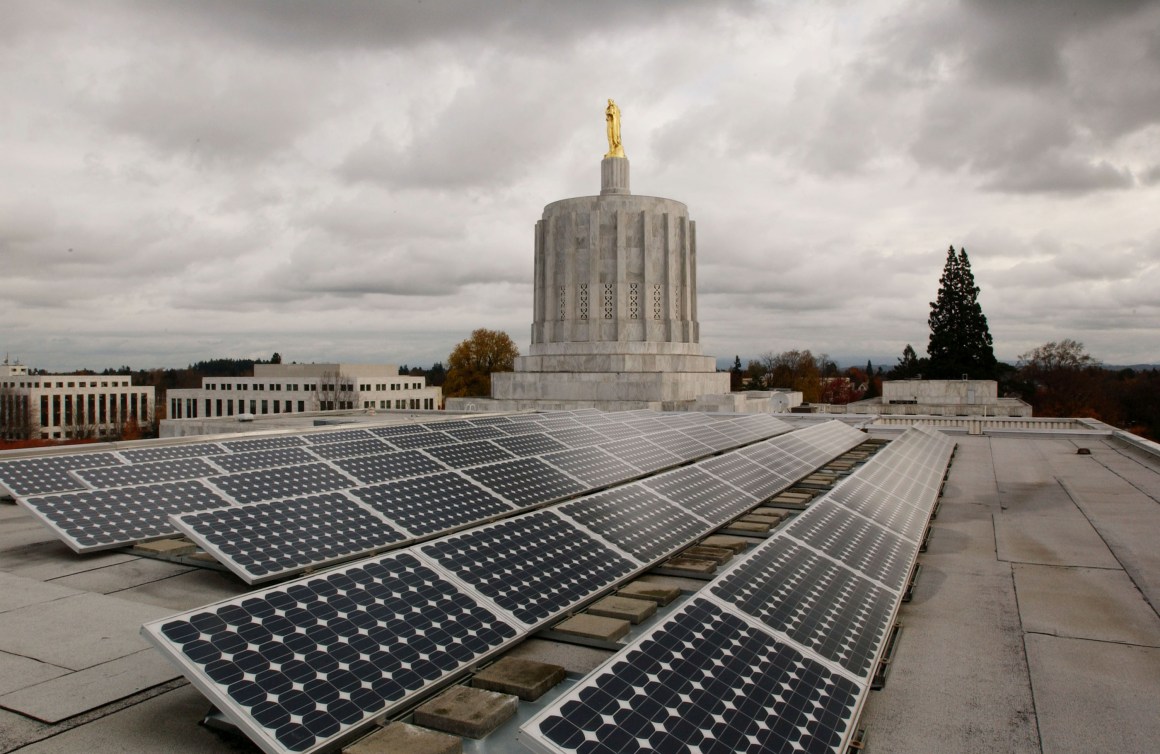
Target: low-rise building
[299, 388]
[69, 406]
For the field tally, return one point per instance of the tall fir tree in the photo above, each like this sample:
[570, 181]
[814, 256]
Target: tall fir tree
[960, 342]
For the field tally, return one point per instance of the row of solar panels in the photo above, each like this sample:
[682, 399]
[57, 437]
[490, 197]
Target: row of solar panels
[263, 492]
[307, 664]
[777, 655]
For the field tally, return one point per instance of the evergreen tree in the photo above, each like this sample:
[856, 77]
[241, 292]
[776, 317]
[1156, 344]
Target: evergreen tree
[736, 374]
[960, 342]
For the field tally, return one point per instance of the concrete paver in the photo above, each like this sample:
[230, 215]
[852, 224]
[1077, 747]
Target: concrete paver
[1095, 696]
[121, 576]
[77, 632]
[1084, 603]
[17, 592]
[71, 694]
[16, 672]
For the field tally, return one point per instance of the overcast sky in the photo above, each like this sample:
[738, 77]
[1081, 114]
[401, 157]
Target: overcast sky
[359, 181]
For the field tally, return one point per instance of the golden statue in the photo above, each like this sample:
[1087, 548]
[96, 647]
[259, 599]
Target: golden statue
[612, 123]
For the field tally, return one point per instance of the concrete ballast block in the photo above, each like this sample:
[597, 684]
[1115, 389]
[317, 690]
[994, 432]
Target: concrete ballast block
[527, 679]
[643, 590]
[465, 711]
[624, 608]
[401, 738]
[594, 627]
[736, 544]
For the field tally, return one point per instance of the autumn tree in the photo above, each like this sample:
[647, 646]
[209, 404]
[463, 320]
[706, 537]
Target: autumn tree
[797, 370]
[960, 341]
[1062, 379]
[472, 362]
[334, 391]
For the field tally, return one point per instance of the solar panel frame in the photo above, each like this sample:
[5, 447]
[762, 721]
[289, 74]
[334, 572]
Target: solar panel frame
[388, 466]
[168, 452]
[427, 505]
[268, 458]
[63, 512]
[260, 554]
[386, 652]
[592, 465]
[462, 455]
[531, 567]
[261, 485]
[659, 694]
[526, 482]
[131, 475]
[44, 475]
[637, 521]
[702, 493]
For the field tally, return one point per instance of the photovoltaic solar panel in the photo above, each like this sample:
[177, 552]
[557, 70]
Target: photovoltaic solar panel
[637, 521]
[839, 614]
[529, 445]
[146, 473]
[488, 421]
[616, 430]
[882, 507]
[263, 443]
[350, 448]
[749, 476]
[447, 426]
[423, 440]
[464, 454]
[856, 542]
[301, 666]
[144, 455]
[708, 435]
[381, 468]
[264, 459]
[593, 466]
[38, 476]
[397, 430]
[272, 484]
[702, 493]
[680, 444]
[430, 504]
[578, 438]
[526, 481]
[705, 681]
[266, 540]
[476, 433]
[533, 566]
[345, 435]
[100, 519]
[641, 453]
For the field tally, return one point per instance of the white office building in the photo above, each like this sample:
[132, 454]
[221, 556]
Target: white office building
[69, 406]
[298, 388]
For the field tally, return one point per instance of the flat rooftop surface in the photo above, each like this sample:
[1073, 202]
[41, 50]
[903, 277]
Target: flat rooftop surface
[1033, 625]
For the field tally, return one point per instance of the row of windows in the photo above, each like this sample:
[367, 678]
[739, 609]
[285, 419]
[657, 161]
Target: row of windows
[74, 383]
[404, 403]
[294, 387]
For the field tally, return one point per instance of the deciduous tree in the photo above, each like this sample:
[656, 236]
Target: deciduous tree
[472, 362]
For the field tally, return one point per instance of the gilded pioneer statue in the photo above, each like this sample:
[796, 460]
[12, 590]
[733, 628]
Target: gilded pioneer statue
[612, 122]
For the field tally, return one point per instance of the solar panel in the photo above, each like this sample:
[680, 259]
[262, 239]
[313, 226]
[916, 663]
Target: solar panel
[882, 507]
[344, 435]
[855, 541]
[424, 440]
[303, 666]
[264, 459]
[263, 443]
[702, 681]
[707, 435]
[476, 433]
[380, 468]
[99, 519]
[429, 504]
[839, 614]
[464, 454]
[143, 455]
[349, 448]
[146, 473]
[593, 466]
[578, 438]
[680, 444]
[488, 421]
[616, 430]
[529, 445]
[397, 430]
[533, 566]
[703, 494]
[749, 476]
[641, 453]
[267, 540]
[637, 520]
[526, 481]
[38, 476]
[448, 425]
[272, 484]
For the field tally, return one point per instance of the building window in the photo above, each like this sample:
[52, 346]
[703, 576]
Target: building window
[301, 406]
